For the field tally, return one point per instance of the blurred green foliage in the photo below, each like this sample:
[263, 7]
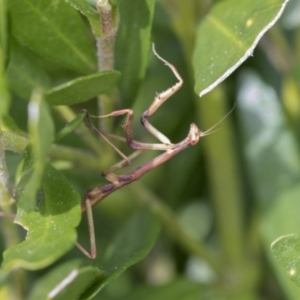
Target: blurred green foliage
[218, 221]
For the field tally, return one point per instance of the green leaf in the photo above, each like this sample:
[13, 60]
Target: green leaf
[132, 243]
[129, 247]
[9, 124]
[24, 73]
[51, 229]
[87, 10]
[271, 152]
[270, 147]
[4, 94]
[179, 289]
[67, 281]
[70, 127]
[55, 31]
[133, 44]
[83, 88]
[3, 30]
[286, 250]
[41, 129]
[228, 36]
[41, 132]
[5, 194]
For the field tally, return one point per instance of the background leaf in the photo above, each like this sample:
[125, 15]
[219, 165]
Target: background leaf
[227, 37]
[274, 166]
[69, 128]
[24, 72]
[76, 279]
[41, 133]
[91, 13]
[130, 246]
[133, 45]
[83, 88]
[4, 95]
[55, 31]
[180, 289]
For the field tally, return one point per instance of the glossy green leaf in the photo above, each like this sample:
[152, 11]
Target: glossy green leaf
[83, 88]
[133, 45]
[286, 250]
[55, 31]
[24, 73]
[67, 281]
[273, 162]
[91, 13]
[51, 228]
[228, 36]
[129, 247]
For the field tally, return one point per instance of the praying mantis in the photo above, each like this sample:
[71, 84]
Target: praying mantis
[169, 149]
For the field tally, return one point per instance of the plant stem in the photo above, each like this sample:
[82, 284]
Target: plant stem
[105, 55]
[106, 43]
[224, 180]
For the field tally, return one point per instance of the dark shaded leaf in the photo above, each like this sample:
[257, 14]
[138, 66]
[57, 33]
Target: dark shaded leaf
[55, 31]
[133, 45]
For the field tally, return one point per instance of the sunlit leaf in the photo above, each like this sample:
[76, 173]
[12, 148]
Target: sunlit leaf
[54, 30]
[83, 88]
[228, 36]
[51, 228]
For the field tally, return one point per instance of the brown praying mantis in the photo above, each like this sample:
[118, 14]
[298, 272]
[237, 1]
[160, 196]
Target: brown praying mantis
[169, 150]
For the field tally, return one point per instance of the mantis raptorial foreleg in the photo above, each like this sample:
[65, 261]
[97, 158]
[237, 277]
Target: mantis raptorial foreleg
[117, 181]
